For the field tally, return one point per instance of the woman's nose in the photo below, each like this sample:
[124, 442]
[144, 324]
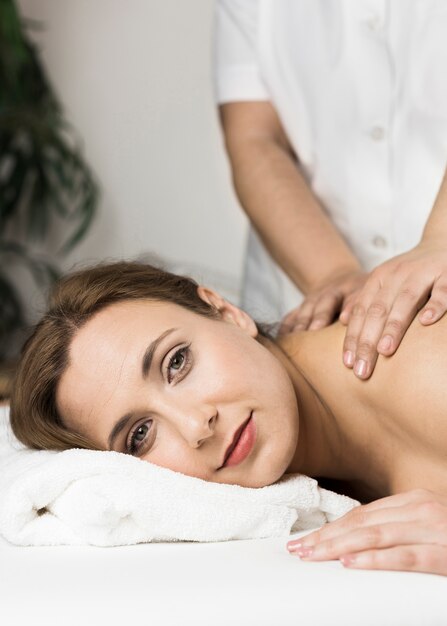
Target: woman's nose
[197, 426]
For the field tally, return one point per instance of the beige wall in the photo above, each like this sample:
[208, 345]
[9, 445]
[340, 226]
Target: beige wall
[135, 79]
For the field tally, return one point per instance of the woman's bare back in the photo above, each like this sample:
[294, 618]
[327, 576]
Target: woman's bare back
[395, 423]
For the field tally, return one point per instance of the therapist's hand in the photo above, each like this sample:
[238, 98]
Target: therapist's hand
[379, 315]
[406, 532]
[322, 306]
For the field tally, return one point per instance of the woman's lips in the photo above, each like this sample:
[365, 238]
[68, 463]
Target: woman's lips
[242, 445]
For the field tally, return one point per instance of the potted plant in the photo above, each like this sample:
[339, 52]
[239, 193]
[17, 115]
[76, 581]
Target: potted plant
[43, 178]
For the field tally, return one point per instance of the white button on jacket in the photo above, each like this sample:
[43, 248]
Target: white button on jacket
[377, 133]
[361, 90]
[380, 242]
[374, 22]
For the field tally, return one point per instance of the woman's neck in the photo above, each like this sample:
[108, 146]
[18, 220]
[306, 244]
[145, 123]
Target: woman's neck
[330, 444]
[318, 450]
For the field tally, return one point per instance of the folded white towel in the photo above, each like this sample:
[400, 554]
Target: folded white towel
[81, 497]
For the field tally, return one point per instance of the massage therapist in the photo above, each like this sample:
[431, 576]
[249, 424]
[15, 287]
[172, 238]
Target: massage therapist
[335, 121]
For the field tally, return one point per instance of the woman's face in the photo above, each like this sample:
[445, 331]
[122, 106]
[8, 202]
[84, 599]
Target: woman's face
[182, 385]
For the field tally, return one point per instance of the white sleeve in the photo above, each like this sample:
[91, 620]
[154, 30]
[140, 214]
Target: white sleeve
[237, 75]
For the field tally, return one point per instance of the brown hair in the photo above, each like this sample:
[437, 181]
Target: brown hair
[76, 298]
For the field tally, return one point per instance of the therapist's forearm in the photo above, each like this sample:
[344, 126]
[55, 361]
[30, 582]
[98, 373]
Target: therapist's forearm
[289, 219]
[436, 226]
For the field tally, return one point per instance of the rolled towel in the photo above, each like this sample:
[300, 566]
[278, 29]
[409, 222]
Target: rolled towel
[102, 498]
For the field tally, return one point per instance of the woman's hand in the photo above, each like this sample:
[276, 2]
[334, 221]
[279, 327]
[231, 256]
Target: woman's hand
[405, 532]
[321, 306]
[379, 315]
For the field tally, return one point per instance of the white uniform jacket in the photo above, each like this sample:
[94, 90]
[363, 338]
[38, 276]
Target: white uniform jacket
[361, 90]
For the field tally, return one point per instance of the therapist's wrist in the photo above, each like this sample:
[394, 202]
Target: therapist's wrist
[433, 240]
[340, 273]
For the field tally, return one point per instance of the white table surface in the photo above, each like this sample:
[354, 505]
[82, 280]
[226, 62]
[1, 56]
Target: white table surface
[230, 583]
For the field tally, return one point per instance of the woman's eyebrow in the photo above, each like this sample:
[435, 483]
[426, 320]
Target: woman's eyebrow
[150, 350]
[119, 426]
[145, 367]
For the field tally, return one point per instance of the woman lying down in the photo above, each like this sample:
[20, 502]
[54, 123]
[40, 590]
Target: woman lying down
[137, 360]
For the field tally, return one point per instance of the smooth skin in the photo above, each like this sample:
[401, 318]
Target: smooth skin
[377, 308]
[370, 440]
[205, 380]
[405, 532]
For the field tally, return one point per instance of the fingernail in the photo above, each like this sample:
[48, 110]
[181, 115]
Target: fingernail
[427, 315]
[316, 325]
[385, 343]
[304, 553]
[306, 542]
[347, 560]
[360, 368]
[348, 358]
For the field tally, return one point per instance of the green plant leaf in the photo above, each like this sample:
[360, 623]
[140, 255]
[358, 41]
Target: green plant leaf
[11, 189]
[42, 170]
[43, 271]
[11, 312]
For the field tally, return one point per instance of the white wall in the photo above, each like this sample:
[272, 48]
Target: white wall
[134, 77]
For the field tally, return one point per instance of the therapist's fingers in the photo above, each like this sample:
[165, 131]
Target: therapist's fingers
[321, 307]
[355, 325]
[325, 309]
[436, 305]
[287, 323]
[317, 311]
[345, 313]
[347, 307]
[411, 296]
[379, 320]
[297, 319]
[305, 313]
[386, 319]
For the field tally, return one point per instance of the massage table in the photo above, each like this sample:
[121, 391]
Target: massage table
[233, 583]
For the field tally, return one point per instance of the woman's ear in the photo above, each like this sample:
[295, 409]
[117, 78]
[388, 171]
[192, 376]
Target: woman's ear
[229, 312]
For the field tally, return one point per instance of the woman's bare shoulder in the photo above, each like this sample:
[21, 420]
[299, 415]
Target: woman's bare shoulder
[413, 384]
[409, 387]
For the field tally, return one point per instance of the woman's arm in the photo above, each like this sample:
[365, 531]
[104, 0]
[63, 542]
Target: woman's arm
[405, 532]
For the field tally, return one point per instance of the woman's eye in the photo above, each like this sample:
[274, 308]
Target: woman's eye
[178, 363]
[138, 436]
